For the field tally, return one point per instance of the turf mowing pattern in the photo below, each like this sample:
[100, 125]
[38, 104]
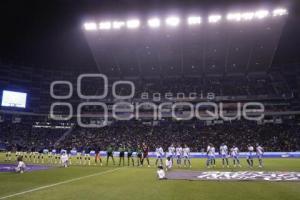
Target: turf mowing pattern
[140, 183]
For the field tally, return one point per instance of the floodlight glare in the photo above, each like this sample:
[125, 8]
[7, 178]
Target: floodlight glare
[154, 22]
[133, 23]
[105, 25]
[234, 17]
[118, 24]
[172, 21]
[279, 12]
[260, 14]
[214, 18]
[90, 26]
[247, 16]
[193, 20]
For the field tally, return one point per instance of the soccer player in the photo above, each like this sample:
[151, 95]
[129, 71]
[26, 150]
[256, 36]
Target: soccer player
[64, 159]
[21, 165]
[79, 158]
[211, 161]
[121, 154]
[145, 154]
[98, 157]
[178, 155]
[89, 155]
[235, 156]
[161, 175]
[186, 156]
[139, 155]
[110, 153]
[259, 153]
[159, 155]
[8, 155]
[250, 156]
[224, 155]
[169, 163]
[171, 152]
[129, 155]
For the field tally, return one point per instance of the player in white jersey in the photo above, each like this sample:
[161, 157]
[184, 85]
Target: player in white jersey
[224, 155]
[211, 156]
[171, 152]
[178, 155]
[259, 153]
[159, 155]
[21, 167]
[235, 156]
[161, 175]
[169, 163]
[250, 155]
[186, 155]
[64, 159]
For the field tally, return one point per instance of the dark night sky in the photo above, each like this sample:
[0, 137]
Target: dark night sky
[47, 33]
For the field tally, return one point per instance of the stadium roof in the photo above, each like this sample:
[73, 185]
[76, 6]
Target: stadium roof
[50, 35]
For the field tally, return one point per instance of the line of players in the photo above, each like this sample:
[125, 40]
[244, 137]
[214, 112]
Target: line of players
[234, 154]
[181, 154]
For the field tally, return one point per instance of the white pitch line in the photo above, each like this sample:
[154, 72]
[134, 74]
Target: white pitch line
[59, 183]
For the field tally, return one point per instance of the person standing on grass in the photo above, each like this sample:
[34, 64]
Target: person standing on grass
[178, 155]
[259, 153]
[159, 155]
[110, 153]
[145, 154]
[235, 156]
[224, 155]
[250, 156]
[186, 156]
[129, 155]
[98, 157]
[121, 154]
[139, 155]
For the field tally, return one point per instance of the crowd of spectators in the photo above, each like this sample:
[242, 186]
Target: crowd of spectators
[274, 137]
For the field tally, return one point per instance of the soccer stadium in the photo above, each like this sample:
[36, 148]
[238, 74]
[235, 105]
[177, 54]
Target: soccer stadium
[165, 100]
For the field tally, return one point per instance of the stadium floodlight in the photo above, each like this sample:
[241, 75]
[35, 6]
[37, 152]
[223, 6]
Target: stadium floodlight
[118, 24]
[133, 23]
[260, 14]
[234, 17]
[154, 23]
[214, 18]
[105, 25]
[280, 12]
[90, 26]
[247, 16]
[172, 21]
[193, 20]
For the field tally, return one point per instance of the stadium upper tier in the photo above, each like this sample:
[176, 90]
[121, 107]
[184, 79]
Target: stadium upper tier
[277, 84]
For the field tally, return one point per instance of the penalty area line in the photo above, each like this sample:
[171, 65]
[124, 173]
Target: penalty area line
[59, 183]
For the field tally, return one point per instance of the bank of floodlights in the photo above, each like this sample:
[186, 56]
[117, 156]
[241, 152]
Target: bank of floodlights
[194, 20]
[154, 22]
[174, 21]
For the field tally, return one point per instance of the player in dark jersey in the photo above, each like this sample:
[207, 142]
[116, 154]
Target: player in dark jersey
[145, 154]
[110, 153]
[121, 154]
[129, 155]
[139, 155]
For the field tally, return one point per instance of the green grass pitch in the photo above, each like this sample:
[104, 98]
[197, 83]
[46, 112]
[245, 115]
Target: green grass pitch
[133, 183]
